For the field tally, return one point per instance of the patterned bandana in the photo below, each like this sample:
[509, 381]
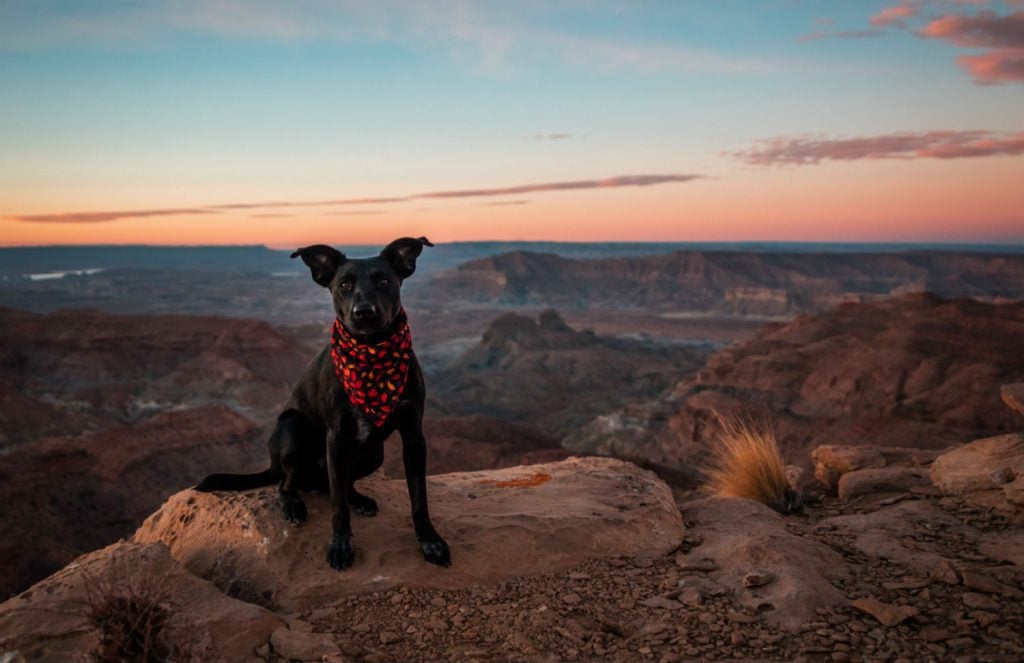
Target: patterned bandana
[373, 376]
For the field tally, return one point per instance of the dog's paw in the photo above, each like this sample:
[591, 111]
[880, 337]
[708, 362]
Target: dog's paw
[436, 551]
[340, 553]
[294, 509]
[362, 504]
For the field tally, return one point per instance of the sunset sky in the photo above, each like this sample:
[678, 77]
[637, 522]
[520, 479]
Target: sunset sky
[346, 122]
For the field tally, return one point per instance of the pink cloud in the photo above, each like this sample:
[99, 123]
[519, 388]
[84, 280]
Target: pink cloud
[100, 217]
[801, 150]
[983, 30]
[998, 66]
[1003, 35]
[577, 185]
[894, 15]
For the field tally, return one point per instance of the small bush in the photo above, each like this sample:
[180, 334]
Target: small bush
[131, 609]
[746, 462]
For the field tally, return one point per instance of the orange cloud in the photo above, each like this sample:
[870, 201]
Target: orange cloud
[894, 15]
[800, 150]
[544, 187]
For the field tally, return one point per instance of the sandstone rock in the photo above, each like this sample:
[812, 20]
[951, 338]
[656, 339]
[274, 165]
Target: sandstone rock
[744, 537]
[303, 646]
[882, 533]
[52, 617]
[979, 582]
[500, 524]
[988, 472]
[831, 462]
[1013, 396]
[885, 613]
[859, 483]
[1005, 546]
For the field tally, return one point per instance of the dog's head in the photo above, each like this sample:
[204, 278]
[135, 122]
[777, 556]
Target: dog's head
[366, 291]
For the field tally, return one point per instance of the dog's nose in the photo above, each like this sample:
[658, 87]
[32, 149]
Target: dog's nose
[363, 311]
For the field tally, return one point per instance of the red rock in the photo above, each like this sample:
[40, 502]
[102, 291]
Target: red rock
[743, 537]
[860, 483]
[984, 470]
[886, 614]
[591, 507]
[202, 623]
[913, 371]
[831, 462]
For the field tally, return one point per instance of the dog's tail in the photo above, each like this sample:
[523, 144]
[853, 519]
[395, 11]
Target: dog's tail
[239, 481]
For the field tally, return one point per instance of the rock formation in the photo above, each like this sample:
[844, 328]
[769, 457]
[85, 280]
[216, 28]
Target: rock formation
[554, 378]
[732, 282]
[914, 371]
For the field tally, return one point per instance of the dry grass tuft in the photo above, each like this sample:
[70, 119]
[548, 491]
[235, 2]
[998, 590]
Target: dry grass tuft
[131, 609]
[746, 462]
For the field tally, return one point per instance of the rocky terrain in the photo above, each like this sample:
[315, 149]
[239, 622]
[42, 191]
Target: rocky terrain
[737, 283]
[556, 378]
[917, 371]
[917, 558]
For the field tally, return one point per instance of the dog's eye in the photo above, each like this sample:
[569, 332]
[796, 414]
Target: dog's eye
[383, 283]
[345, 285]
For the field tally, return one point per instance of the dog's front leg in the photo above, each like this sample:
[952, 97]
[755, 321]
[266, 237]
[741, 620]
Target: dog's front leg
[414, 457]
[340, 457]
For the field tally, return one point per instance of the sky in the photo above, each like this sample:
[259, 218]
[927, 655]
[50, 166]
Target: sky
[344, 122]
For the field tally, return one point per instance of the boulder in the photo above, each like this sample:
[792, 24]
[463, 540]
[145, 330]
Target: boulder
[500, 524]
[747, 549]
[875, 480]
[51, 621]
[989, 472]
[831, 462]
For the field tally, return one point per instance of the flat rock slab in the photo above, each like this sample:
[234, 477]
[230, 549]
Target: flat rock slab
[499, 523]
[989, 472]
[890, 533]
[747, 549]
[51, 621]
[880, 480]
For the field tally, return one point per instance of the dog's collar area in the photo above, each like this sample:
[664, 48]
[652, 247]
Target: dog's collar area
[373, 375]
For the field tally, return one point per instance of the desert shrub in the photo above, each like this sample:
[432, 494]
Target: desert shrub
[745, 461]
[131, 608]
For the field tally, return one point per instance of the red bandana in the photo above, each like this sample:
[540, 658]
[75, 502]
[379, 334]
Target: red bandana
[373, 376]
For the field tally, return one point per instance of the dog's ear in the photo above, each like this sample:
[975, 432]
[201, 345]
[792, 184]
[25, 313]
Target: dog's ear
[323, 262]
[402, 254]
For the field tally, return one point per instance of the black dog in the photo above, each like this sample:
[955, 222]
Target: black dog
[350, 399]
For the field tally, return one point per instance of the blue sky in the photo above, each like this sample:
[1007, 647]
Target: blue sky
[122, 106]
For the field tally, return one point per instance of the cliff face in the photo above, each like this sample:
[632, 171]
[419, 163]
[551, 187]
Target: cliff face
[911, 371]
[743, 283]
[124, 368]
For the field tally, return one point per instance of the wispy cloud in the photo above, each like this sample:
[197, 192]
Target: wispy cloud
[485, 36]
[552, 137]
[100, 217]
[543, 187]
[505, 203]
[841, 34]
[804, 150]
